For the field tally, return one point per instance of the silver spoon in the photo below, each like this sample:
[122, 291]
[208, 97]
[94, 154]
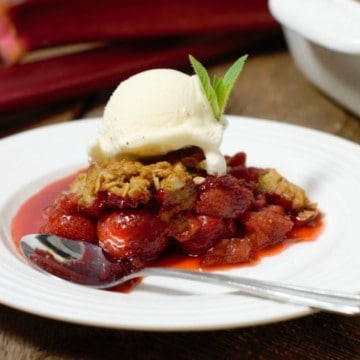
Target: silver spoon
[84, 263]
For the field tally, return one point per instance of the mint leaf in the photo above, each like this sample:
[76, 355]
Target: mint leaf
[218, 92]
[206, 86]
[230, 78]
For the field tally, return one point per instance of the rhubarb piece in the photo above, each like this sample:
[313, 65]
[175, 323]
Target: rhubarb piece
[25, 86]
[200, 233]
[267, 226]
[224, 196]
[27, 25]
[229, 251]
[210, 230]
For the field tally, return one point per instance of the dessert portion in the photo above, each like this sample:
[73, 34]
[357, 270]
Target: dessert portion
[157, 181]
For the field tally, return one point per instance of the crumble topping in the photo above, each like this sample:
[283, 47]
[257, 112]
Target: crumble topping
[273, 183]
[126, 178]
[140, 179]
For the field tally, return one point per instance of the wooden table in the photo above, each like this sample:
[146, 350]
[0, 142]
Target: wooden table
[270, 87]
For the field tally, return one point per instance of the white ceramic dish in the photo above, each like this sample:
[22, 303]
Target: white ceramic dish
[326, 166]
[324, 39]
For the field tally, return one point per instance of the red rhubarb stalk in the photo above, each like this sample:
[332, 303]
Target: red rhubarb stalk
[26, 25]
[25, 86]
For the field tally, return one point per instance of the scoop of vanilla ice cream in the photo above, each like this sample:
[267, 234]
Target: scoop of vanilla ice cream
[158, 111]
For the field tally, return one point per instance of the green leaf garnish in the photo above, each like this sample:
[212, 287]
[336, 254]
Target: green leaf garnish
[219, 91]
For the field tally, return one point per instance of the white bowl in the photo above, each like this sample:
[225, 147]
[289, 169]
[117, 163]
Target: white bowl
[324, 39]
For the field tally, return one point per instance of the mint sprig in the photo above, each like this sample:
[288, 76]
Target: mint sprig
[219, 90]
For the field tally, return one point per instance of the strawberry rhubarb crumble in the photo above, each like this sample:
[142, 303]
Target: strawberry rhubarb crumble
[158, 181]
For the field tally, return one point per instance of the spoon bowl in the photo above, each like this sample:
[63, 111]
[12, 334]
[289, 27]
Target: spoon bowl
[86, 264]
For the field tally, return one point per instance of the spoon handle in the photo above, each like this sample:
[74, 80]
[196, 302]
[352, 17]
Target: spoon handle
[332, 301]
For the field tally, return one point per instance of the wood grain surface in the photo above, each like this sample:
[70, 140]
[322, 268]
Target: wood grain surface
[270, 87]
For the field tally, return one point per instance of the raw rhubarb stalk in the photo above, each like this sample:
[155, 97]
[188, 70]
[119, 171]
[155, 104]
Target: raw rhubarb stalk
[25, 86]
[26, 25]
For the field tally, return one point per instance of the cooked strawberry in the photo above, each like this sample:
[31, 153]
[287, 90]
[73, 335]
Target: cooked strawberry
[237, 167]
[267, 226]
[64, 219]
[223, 196]
[76, 227]
[249, 174]
[96, 208]
[66, 203]
[238, 159]
[121, 202]
[132, 233]
[201, 232]
[184, 227]
[228, 251]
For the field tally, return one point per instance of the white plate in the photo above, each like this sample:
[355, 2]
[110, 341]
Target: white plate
[326, 166]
